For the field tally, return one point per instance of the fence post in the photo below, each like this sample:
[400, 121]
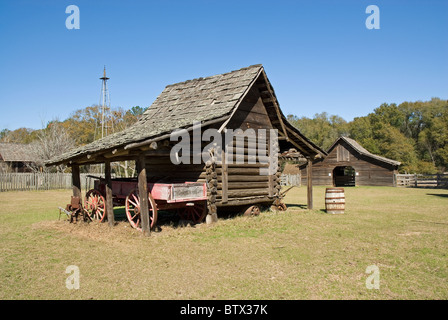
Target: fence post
[415, 180]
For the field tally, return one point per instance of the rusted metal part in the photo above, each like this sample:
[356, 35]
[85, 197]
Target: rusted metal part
[252, 211]
[75, 210]
[278, 204]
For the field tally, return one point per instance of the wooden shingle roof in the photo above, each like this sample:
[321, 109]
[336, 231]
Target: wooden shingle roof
[179, 106]
[16, 152]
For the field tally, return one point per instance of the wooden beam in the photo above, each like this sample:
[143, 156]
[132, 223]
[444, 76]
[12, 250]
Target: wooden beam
[76, 181]
[309, 173]
[277, 107]
[109, 203]
[224, 173]
[143, 194]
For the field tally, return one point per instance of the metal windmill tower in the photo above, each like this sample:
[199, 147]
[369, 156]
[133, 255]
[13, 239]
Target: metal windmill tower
[105, 105]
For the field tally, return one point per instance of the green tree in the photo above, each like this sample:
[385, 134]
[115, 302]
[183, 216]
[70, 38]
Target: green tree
[323, 129]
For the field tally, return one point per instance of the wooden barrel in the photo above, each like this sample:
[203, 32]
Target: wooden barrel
[334, 200]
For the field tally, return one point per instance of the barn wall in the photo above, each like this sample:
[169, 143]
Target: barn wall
[371, 172]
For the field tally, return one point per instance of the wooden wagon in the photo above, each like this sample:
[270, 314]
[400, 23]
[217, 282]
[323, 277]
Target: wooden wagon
[188, 199]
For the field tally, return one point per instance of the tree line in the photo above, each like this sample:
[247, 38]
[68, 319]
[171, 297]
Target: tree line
[414, 133]
[83, 126]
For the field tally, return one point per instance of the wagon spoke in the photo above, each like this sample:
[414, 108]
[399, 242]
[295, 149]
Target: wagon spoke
[136, 199]
[133, 203]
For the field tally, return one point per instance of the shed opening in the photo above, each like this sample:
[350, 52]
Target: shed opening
[344, 176]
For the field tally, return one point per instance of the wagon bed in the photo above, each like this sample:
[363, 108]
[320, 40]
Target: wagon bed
[189, 199]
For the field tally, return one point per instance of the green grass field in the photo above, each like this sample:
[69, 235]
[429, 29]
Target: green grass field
[297, 254]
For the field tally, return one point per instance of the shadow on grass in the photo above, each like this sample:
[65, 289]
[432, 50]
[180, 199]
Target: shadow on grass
[296, 206]
[438, 195]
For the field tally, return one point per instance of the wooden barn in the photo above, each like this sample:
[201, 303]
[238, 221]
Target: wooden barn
[15, 157]
[349, 164]
[242, 99]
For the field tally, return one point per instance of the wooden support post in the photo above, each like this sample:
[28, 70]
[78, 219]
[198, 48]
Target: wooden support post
[225, 177]
[309, 173]
[76, 181]
[143, 194]
[109, 203]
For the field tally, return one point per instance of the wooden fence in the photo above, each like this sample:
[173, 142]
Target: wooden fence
[422, 180]
[41, 181]
[290, 180]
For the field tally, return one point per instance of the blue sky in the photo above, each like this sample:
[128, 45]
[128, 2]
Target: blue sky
[318, 55]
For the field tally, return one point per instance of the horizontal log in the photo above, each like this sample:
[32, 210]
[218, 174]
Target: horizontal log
[173, 167]
[246, 201]
[177, 175]
[240, 171]
[244, 185]
[239, 193]
[244, 165]
[244, 178]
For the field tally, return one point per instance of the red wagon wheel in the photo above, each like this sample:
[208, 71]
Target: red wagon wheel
[194, 211]
[95, 205]
[132, 204]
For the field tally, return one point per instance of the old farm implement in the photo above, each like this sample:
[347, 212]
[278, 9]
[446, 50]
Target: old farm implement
[189, 199]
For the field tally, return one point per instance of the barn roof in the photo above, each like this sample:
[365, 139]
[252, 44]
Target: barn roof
[180, 105]
[358, 148]
[16, 152]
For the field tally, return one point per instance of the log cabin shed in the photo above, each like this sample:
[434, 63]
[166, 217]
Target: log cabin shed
[349, 164]
[240, 99]
[15, 157]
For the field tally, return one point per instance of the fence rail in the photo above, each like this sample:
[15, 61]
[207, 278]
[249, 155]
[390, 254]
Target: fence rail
[40, 181]
[422, 180]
